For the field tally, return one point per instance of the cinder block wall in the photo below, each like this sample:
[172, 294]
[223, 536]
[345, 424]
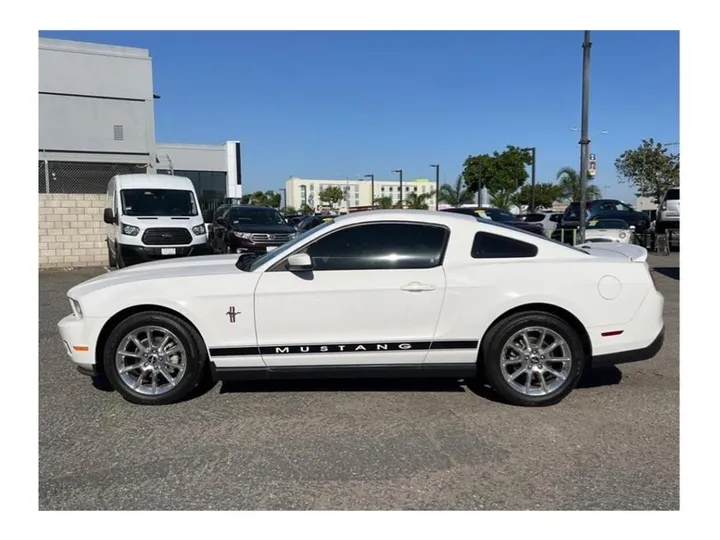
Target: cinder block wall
[71, 230]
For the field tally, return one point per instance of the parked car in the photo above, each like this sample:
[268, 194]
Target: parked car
[380, 293]
[609, 230]
[255, 229]
[606, 208]
[498, 215]
[152, 216]
[310, 222]
[548, 220]
[669, 213]
[295, 220]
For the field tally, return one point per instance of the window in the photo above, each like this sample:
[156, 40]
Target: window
[158, 202]
[380, 246]
[249, 215]
[303, 194]
[673, 195]
[622, 207]
[555, 218]
[493, 246]
[534, 218]
[312, 187]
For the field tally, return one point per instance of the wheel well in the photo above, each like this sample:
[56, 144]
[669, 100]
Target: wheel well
[563, 314]
[124, 314]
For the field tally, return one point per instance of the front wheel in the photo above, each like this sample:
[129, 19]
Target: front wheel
[154, 358]
[533, 359]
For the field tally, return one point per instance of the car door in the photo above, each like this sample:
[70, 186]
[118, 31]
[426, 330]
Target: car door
[373, 297]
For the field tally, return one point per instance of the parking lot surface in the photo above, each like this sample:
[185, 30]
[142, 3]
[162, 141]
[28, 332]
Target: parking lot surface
[356, 445]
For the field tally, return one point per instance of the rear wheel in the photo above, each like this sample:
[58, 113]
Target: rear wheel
[533, 359]
[154, 358]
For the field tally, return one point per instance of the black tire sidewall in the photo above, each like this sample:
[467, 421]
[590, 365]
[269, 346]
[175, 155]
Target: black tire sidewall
[111, 259]
[195, 362]
[498, 335]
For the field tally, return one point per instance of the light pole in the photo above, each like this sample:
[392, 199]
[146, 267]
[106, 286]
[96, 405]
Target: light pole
[584, 141]
[372, 189]
[399, 171]
[284, 199]
[437, 185]
[532, 188]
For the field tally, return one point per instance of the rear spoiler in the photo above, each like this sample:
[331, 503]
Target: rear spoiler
[615, 250]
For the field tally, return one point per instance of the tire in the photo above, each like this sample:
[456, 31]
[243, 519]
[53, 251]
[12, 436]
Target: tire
[660, 228]
[111, 258]
[120, 262]
[189, 360]
[495, 348]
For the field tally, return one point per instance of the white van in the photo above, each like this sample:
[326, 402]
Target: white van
[153, 216]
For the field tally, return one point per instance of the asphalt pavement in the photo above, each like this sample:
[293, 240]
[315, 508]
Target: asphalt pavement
[613, 444]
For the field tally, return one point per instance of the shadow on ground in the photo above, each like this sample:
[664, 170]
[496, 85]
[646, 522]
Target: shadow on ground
[672, 272]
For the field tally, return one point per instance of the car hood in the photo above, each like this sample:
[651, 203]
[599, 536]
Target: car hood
[269, 229]
[164, 269]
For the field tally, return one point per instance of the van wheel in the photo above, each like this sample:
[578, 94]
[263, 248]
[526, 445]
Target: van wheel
[111, 257]
[120, 262]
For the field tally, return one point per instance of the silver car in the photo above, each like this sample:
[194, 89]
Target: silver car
[669, 213]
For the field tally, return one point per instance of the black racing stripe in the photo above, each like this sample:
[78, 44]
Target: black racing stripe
[338, 348]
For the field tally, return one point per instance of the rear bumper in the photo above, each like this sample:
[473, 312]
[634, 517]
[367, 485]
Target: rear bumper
[637, 355]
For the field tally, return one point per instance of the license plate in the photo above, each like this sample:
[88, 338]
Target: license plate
[167, 251]
[270, 248]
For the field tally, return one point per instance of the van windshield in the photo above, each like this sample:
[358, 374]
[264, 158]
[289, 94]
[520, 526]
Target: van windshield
[158, 202]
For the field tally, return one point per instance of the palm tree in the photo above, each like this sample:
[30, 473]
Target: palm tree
[384, 202]
[418, 202]
[455, 195]
[569, 182]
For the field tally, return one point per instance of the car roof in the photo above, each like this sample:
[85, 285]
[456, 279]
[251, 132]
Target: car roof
[427, 216]
[153, 181]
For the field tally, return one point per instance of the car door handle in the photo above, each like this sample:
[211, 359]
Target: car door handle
[416, 286]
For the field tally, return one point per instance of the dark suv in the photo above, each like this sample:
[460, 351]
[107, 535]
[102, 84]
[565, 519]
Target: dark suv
[250, 229]
[607, 209]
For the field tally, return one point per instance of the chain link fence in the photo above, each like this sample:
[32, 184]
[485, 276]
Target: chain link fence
[81, 177]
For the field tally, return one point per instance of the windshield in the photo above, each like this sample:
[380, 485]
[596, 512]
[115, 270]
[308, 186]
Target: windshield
[255, 216]
[279, 252]
[158, 202]
[534, 218]
[608, 224]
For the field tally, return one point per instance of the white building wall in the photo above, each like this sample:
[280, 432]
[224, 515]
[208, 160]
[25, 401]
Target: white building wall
[358, 192]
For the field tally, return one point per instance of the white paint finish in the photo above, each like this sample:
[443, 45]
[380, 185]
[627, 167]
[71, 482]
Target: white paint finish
[609, 287]
[254, 361]
[370, 306]
[332, 307]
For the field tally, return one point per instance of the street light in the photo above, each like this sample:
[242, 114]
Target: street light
[532, 189]
[437, 185]
[399, 171]
[372, 189]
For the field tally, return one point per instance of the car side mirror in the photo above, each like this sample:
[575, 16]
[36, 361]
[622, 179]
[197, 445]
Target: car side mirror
[299, 262]
[109, 216]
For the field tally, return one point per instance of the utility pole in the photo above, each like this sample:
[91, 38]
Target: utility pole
[584, 140]
[532, 188]
[437, 185]
[399, 171]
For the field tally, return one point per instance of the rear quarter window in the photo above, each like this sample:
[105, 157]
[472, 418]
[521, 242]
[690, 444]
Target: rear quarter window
[493, 246]
[673, 195]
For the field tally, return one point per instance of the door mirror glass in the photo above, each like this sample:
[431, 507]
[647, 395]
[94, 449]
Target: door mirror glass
[109, 217]
[299, 262]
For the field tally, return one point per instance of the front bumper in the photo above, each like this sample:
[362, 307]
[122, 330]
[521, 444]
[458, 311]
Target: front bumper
[238, 245]
[79, 337]
[138, 254]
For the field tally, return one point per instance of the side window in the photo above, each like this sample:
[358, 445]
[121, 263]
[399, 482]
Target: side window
[493, 246]
[380, 246]
[607, 207]
[622, 207]
[555, 218]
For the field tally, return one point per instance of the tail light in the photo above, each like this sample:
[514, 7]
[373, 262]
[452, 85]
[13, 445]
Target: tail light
[664, 206]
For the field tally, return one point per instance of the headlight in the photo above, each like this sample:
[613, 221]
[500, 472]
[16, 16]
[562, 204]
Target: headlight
[292, 235]
[244, 235]
[198, 229]
[130, 230]
[622, 235]
[75, 305]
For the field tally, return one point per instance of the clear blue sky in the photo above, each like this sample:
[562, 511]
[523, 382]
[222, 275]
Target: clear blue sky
[344, 104]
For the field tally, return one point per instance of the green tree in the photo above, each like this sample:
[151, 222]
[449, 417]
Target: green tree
[650, 168]
[332, 195]
[415, 201]
[384, 202]
[305, 209]
[502, 173]
[263, 198]
[289, 211]
[455, 195]
[502, 199]
[569, 183]
[545, 195]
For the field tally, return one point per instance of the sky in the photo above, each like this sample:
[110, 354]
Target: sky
[346, 104]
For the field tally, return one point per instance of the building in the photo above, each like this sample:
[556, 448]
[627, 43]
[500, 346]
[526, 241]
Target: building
[358, 193]
[97, 119]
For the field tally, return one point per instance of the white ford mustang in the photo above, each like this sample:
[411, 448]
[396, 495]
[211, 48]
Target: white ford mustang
[381, 293]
